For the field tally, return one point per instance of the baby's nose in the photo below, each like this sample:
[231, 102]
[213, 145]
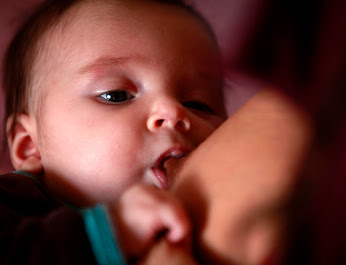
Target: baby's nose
[168, 114]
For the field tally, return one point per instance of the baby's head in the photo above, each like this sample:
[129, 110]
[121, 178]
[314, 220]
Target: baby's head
[101, 93]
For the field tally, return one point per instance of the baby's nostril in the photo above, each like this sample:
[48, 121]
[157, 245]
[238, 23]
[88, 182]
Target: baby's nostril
[181, 124]
[159, 122]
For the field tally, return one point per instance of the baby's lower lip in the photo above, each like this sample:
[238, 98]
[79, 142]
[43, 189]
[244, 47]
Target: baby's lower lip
[161, 178]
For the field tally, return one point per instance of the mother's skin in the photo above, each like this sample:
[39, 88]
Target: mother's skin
[237, 183]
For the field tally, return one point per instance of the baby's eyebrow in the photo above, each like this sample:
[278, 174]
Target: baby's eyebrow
[101, 63]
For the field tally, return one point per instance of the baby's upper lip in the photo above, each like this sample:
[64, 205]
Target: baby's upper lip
[159, 165]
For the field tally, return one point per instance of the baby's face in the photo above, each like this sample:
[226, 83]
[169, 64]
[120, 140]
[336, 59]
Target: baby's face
[133, 85]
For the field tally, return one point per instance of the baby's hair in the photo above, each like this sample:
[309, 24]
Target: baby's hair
[25, 48]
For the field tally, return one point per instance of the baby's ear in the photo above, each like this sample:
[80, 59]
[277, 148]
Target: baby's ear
[23, 149]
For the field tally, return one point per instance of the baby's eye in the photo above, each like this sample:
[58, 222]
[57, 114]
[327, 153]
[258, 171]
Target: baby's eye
[118, 96]
[199, 106]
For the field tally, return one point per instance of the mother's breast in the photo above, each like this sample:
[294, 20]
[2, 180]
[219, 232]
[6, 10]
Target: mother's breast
[237, 183]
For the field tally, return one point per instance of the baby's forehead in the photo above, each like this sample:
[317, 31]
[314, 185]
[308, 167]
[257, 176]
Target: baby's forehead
[66, 36]
[68, 42]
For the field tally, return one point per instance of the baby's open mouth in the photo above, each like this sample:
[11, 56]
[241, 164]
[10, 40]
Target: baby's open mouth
[159, 168]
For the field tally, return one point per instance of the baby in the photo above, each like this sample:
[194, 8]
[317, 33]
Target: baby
[100, 94]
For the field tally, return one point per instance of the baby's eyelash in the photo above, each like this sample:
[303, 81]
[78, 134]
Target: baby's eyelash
[198, 106]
